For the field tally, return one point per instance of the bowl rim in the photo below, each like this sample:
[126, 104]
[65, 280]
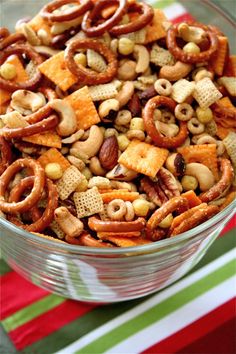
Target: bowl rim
[225, 214]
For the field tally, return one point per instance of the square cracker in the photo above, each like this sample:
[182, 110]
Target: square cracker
[84, 108]
[53, 155]
[55, 70]
[158, 27]
[21, 76]
[143, 158]
[49, 139]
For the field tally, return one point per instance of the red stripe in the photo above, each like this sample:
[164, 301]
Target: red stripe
[221, 340]
[48, 323]
[182, 18]
[16, 293]
[195, 330]
[231, 224]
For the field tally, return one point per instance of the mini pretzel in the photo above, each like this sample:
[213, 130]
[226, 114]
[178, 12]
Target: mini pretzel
[7, 39]
[5, 153]
[148, 114]
[196, 219]
[49, 93]
[172, 205]
[190, 58]
[145, 18]
[47, 10]
[224, 182]
[115, 226]
[87, 76]
[90, 16]
[37, 189]
[40, 221]
[42, 126]
[31, 54]
[87, 240]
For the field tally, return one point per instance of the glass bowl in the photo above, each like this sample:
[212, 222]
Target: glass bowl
[109, 275]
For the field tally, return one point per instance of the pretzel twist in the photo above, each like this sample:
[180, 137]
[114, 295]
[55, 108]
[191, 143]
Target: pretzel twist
[6, 39]
[47, 10]
[116, 226]
[160, 140]
[5, 153]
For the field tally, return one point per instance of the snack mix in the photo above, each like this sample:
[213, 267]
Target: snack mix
[117, 127]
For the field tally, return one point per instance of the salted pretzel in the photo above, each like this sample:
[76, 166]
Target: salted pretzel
[116, 226]
[5, 154]
[7, 39]
[146, 15]
[47, 10]
[190, 58]
[40, 221]
[99, 29]
[224, 182]
[36, 191]
[30, 53]
[87, 76]
[148, 114]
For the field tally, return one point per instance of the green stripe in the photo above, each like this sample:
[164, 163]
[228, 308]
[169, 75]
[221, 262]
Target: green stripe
[4, 267]
[32, 311]
[161, 4]
[99, 316]
[159, 311]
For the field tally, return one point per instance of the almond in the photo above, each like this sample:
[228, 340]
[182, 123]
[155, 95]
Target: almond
[108, 154]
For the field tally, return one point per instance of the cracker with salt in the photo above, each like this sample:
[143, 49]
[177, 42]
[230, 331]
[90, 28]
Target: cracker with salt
[158, 27]
[206, 93]
[218, 59]
[160, 56]
[88, 203]
[182, 89]
[143, 158]
[68, 183]
[85, 110]
[123, 194]
[21, 76]
[54, 156]
[55, 69]
[205, 154]
[104, 91]
[49, 139]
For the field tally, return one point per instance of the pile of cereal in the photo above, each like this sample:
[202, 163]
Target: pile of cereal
[117, 128]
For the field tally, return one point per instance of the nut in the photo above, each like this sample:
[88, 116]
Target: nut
[125, 94]
[175, 163]
[121, 173]
[68, 121]
[108, 154]
[143, 58]
[107, 107]
[26, 102]
[191, 33]
[91, 146]
[126, 70]
[135, 106]
[175, 72]
[202, 173]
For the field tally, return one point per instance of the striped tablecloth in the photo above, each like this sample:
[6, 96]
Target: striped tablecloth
[195, 315]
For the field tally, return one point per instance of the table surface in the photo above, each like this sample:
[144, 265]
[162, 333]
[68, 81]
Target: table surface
[221, 338]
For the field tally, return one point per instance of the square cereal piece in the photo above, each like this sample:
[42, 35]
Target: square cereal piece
[104, 91]
[68, 183]
[229, 83]
[143, 158]
[206, 93]
[138, 37]
[49, 139]
[21, 76]
[53, 155]
[55, 70]
[84, 108]
[182, 89]
[158, 27]
[88, 203]
[160, 56]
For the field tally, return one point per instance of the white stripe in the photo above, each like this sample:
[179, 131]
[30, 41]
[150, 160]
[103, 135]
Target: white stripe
[173, 11]
[146, 305]
[177, 320]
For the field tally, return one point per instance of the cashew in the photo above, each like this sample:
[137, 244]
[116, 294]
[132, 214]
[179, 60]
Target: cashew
[68, 122]
[75, 161]
[99, 182]
[121, 173]
[169, 130]
[175, 72]
[91, 146]
[191, 34]
[125, 94]
[142, 56]
[202, 173]
[74, 137]
[42, 49]
[60, 27]
[126, 70]
[26, 102]
[71, 225]
[29, 33]
[96, 167]
[124, 185]
[107, 106]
